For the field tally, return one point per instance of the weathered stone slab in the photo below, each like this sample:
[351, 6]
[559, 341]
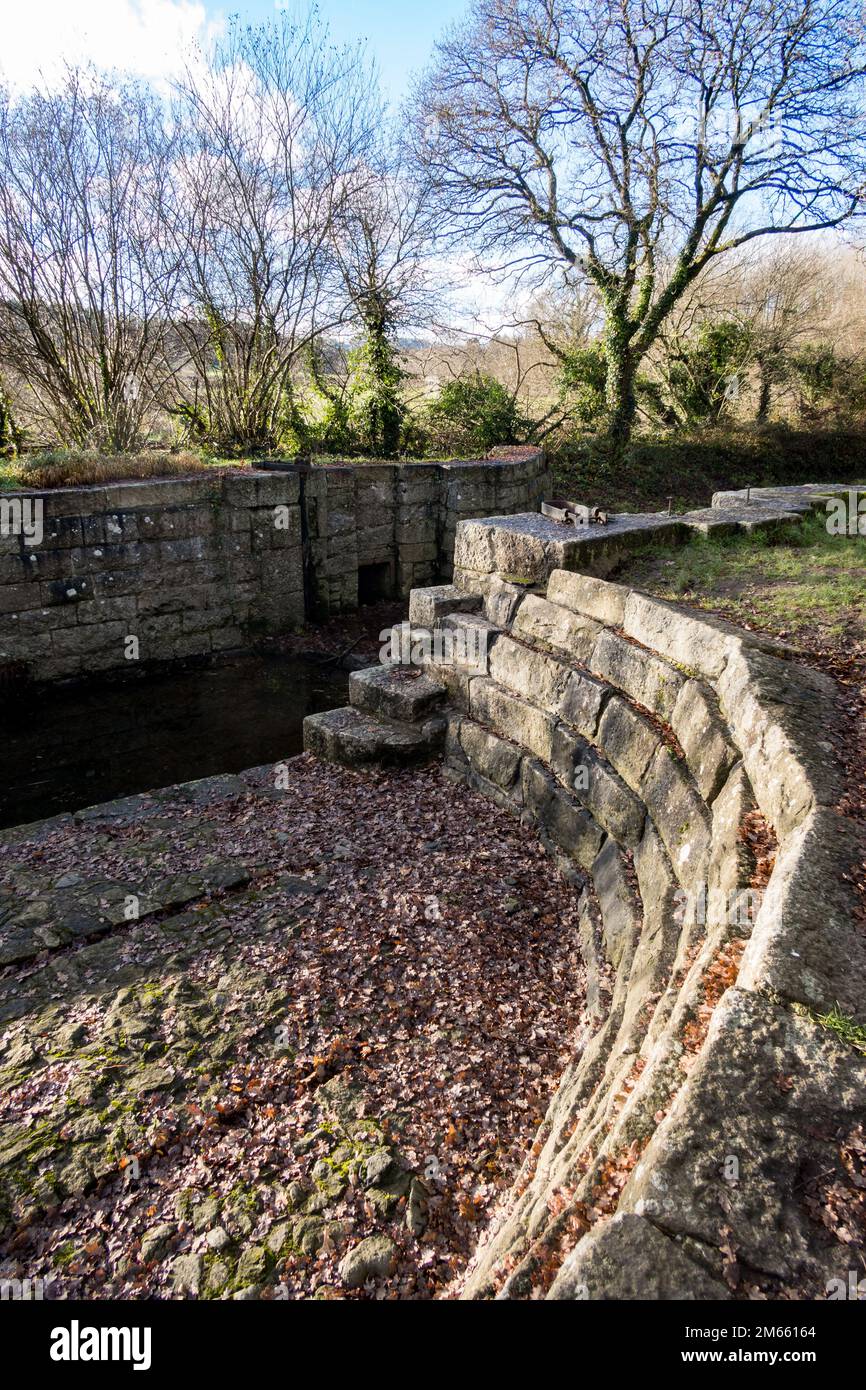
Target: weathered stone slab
[582, 702]
[539, 620]
[512, 716]
[807, 944]
[351, 737]
[629, 1258]
[502, 600]
[533, 675]
[798, 497]
[407, 695]
[592, 953]
[427, 606]
[679, 814]
[554, 810]
[648, 679]
[584, 593]
[607, 798]
[731, 861]
[697, 643]
[620, 915]
[495, 758]
[529, 546]
[703, 737]
[627, 740]
[780, 714]
[777, 1094]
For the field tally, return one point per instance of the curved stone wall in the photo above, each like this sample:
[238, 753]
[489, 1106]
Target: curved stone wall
[671, 761]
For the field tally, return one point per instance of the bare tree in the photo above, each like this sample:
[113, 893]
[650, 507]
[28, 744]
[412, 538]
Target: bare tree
[83, 278]
[632, 141]
[272, 131]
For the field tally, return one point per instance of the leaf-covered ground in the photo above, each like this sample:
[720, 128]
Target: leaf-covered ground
[340, 1015]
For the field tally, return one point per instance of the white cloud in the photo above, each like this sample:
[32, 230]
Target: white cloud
[147, 37]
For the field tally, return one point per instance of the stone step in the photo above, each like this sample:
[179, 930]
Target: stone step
[352, 737]
[397, 692]
[428, 606]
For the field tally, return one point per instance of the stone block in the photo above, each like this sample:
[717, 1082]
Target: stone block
[494, 758]
[582, 702]
[408, 695]
[538, 620]
[569, 827]
[512, 717]
[619, 912]
[731, 861]
[679, 814]
[628, 741]
[584, 593]
[628, 1258]
[427, 606]
[607, 798]
[645, 677]
[703, 737]
[780, 716]
[533, 675]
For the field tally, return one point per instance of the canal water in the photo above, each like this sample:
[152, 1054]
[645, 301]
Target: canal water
[71, 746]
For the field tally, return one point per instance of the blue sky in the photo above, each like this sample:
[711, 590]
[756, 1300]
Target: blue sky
[400, 35]
[148, 36]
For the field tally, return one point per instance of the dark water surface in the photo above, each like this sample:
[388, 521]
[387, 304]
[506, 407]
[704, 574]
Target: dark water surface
[72, 746]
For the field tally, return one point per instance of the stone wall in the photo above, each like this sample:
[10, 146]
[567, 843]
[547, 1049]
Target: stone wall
[654, 750]
[184, 567]
[380, 530]
[684, 774]
[199, 565]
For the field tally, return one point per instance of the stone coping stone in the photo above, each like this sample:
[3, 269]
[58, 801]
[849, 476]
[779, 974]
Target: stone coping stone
[510, 457]
[806, 945]
[800, 497]
[731, 520]
[249, 487]
[529, 546]
[780, 715]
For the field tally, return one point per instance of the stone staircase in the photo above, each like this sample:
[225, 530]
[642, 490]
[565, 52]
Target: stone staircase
[648, 745]
[392, 719]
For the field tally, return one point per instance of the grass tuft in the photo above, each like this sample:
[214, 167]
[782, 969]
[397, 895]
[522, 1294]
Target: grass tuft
[854, 1034]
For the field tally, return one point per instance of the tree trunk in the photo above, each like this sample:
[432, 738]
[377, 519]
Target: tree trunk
[619, 388]
[764, 390]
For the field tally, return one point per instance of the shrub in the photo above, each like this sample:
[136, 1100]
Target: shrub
[699, 375]
[581, 378]
[826, 382]
[472, 414]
